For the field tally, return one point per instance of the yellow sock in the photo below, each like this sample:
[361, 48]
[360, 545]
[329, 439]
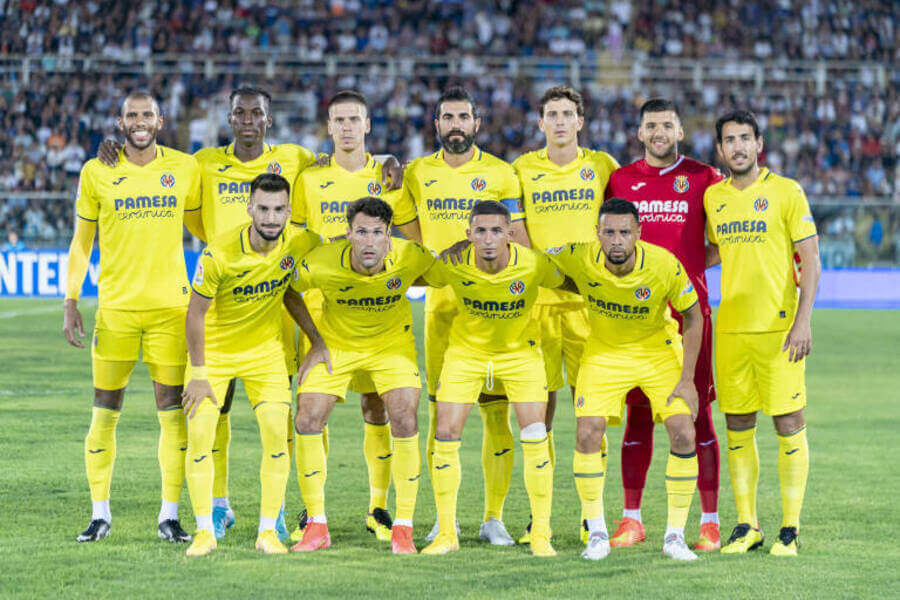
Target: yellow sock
[538, 472]
[405, 470]
[681, 481]
[325, 439]
[589, 480]
[100, 451]
[220, 455]
[200, 466]
[551, 449]
[311, 472]
[445, 477]
[171, 452]
[603, 450]
[743, 465]
[497, 454]
[432, 431]
[275, 465]
[793, 467]
[377, 450]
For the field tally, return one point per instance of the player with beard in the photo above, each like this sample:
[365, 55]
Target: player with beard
[226, 175]
[668, 188]
[320, 198]
[139, 208]
[441, 189]
[232, 331]
[759, 221]
[628, 285]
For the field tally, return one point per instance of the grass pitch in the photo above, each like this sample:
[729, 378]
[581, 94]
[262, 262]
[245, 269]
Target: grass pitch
[45, 399]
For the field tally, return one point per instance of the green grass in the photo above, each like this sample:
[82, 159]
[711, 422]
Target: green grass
[45, 399]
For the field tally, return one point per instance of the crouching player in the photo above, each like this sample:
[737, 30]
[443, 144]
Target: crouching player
[367, 328]
[233, 325]
[493, 339]
[634, 342]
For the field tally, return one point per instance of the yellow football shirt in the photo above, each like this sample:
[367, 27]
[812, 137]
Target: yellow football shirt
[495, 308]
[226, 181]
[320, 196]
[562, 203]
[630, 310]
[139, 212]
[243, 323]
[363, 312]
[756, 229]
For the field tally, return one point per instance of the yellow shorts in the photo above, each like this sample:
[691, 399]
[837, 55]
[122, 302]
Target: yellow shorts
[393, 368]
[263, 382]
[120, 336]
[466, 375]
[752, 373]
[563, 333]
[606, 377]
[315, 302]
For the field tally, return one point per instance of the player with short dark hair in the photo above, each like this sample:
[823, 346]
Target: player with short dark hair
[366, 321]
[139, 208]
[628, 285]
[758, 220]
[232, 330]
[441, 189]
[493, 340]
[668, 188]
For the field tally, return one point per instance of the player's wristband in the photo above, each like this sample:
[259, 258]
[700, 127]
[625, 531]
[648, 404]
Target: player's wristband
[198, 372]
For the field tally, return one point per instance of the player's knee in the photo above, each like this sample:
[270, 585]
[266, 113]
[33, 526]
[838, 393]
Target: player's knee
[167, 396]
[789, 423]
[740, 422]
[681, 437]
[373, 408]
[111, 399]
[308, 422]
[229, 397]
[589, 435]
[404, 424]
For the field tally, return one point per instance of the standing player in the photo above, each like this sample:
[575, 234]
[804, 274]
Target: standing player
[493, 339]
[232, 329]
[366, 322]
[759, 220]
[668, 189]
[562, 190]
[139, 207]
[441, 189]
[321, 196]
[634, 342]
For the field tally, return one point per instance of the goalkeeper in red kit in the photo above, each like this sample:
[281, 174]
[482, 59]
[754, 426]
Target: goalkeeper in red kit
[668, 189]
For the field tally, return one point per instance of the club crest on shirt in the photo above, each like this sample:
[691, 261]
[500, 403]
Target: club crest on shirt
[580, 402]
[681, 184]
[586, 174]
[287, 263]
[478, 184]
[393, 283]
[516, 287]
[554, 250]
[760, 204]
[167, 180]
[274, 168]
[687, 288]
[374, 188]
[642, 293]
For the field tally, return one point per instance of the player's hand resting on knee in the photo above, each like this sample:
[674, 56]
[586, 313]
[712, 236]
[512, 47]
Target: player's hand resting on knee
[318, 353]
[686, 391]
[194, 393]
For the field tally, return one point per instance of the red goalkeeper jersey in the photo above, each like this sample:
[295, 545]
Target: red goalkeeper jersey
[670, 202]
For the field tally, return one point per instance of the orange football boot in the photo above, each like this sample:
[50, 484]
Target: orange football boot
[315, 537]
[628, 533]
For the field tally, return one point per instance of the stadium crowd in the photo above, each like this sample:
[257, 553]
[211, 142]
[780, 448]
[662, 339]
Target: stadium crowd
[841, 143]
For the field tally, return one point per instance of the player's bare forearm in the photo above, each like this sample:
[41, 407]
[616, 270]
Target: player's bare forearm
[194, 329]
[518, 233]
[295, 305]
[411, 230]
[569, 286]
[712, 255]
[194, 224]
[692, 336]
[799, 339]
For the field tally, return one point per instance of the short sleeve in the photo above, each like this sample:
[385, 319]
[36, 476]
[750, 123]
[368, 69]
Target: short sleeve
[710, 227]
[799, 219]
[563, 257]
[195, 193]
[714, 175]
[424, 258]
[86, 205]
[304, 242]
[404, 203]
[303, 277]
[682, 294]
[298, 203]
[438, 274]
[305, 157]
[207, 275]
[550, 274]
[510, 195]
